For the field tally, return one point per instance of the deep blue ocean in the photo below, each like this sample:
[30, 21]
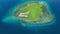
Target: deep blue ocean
[5, 5]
